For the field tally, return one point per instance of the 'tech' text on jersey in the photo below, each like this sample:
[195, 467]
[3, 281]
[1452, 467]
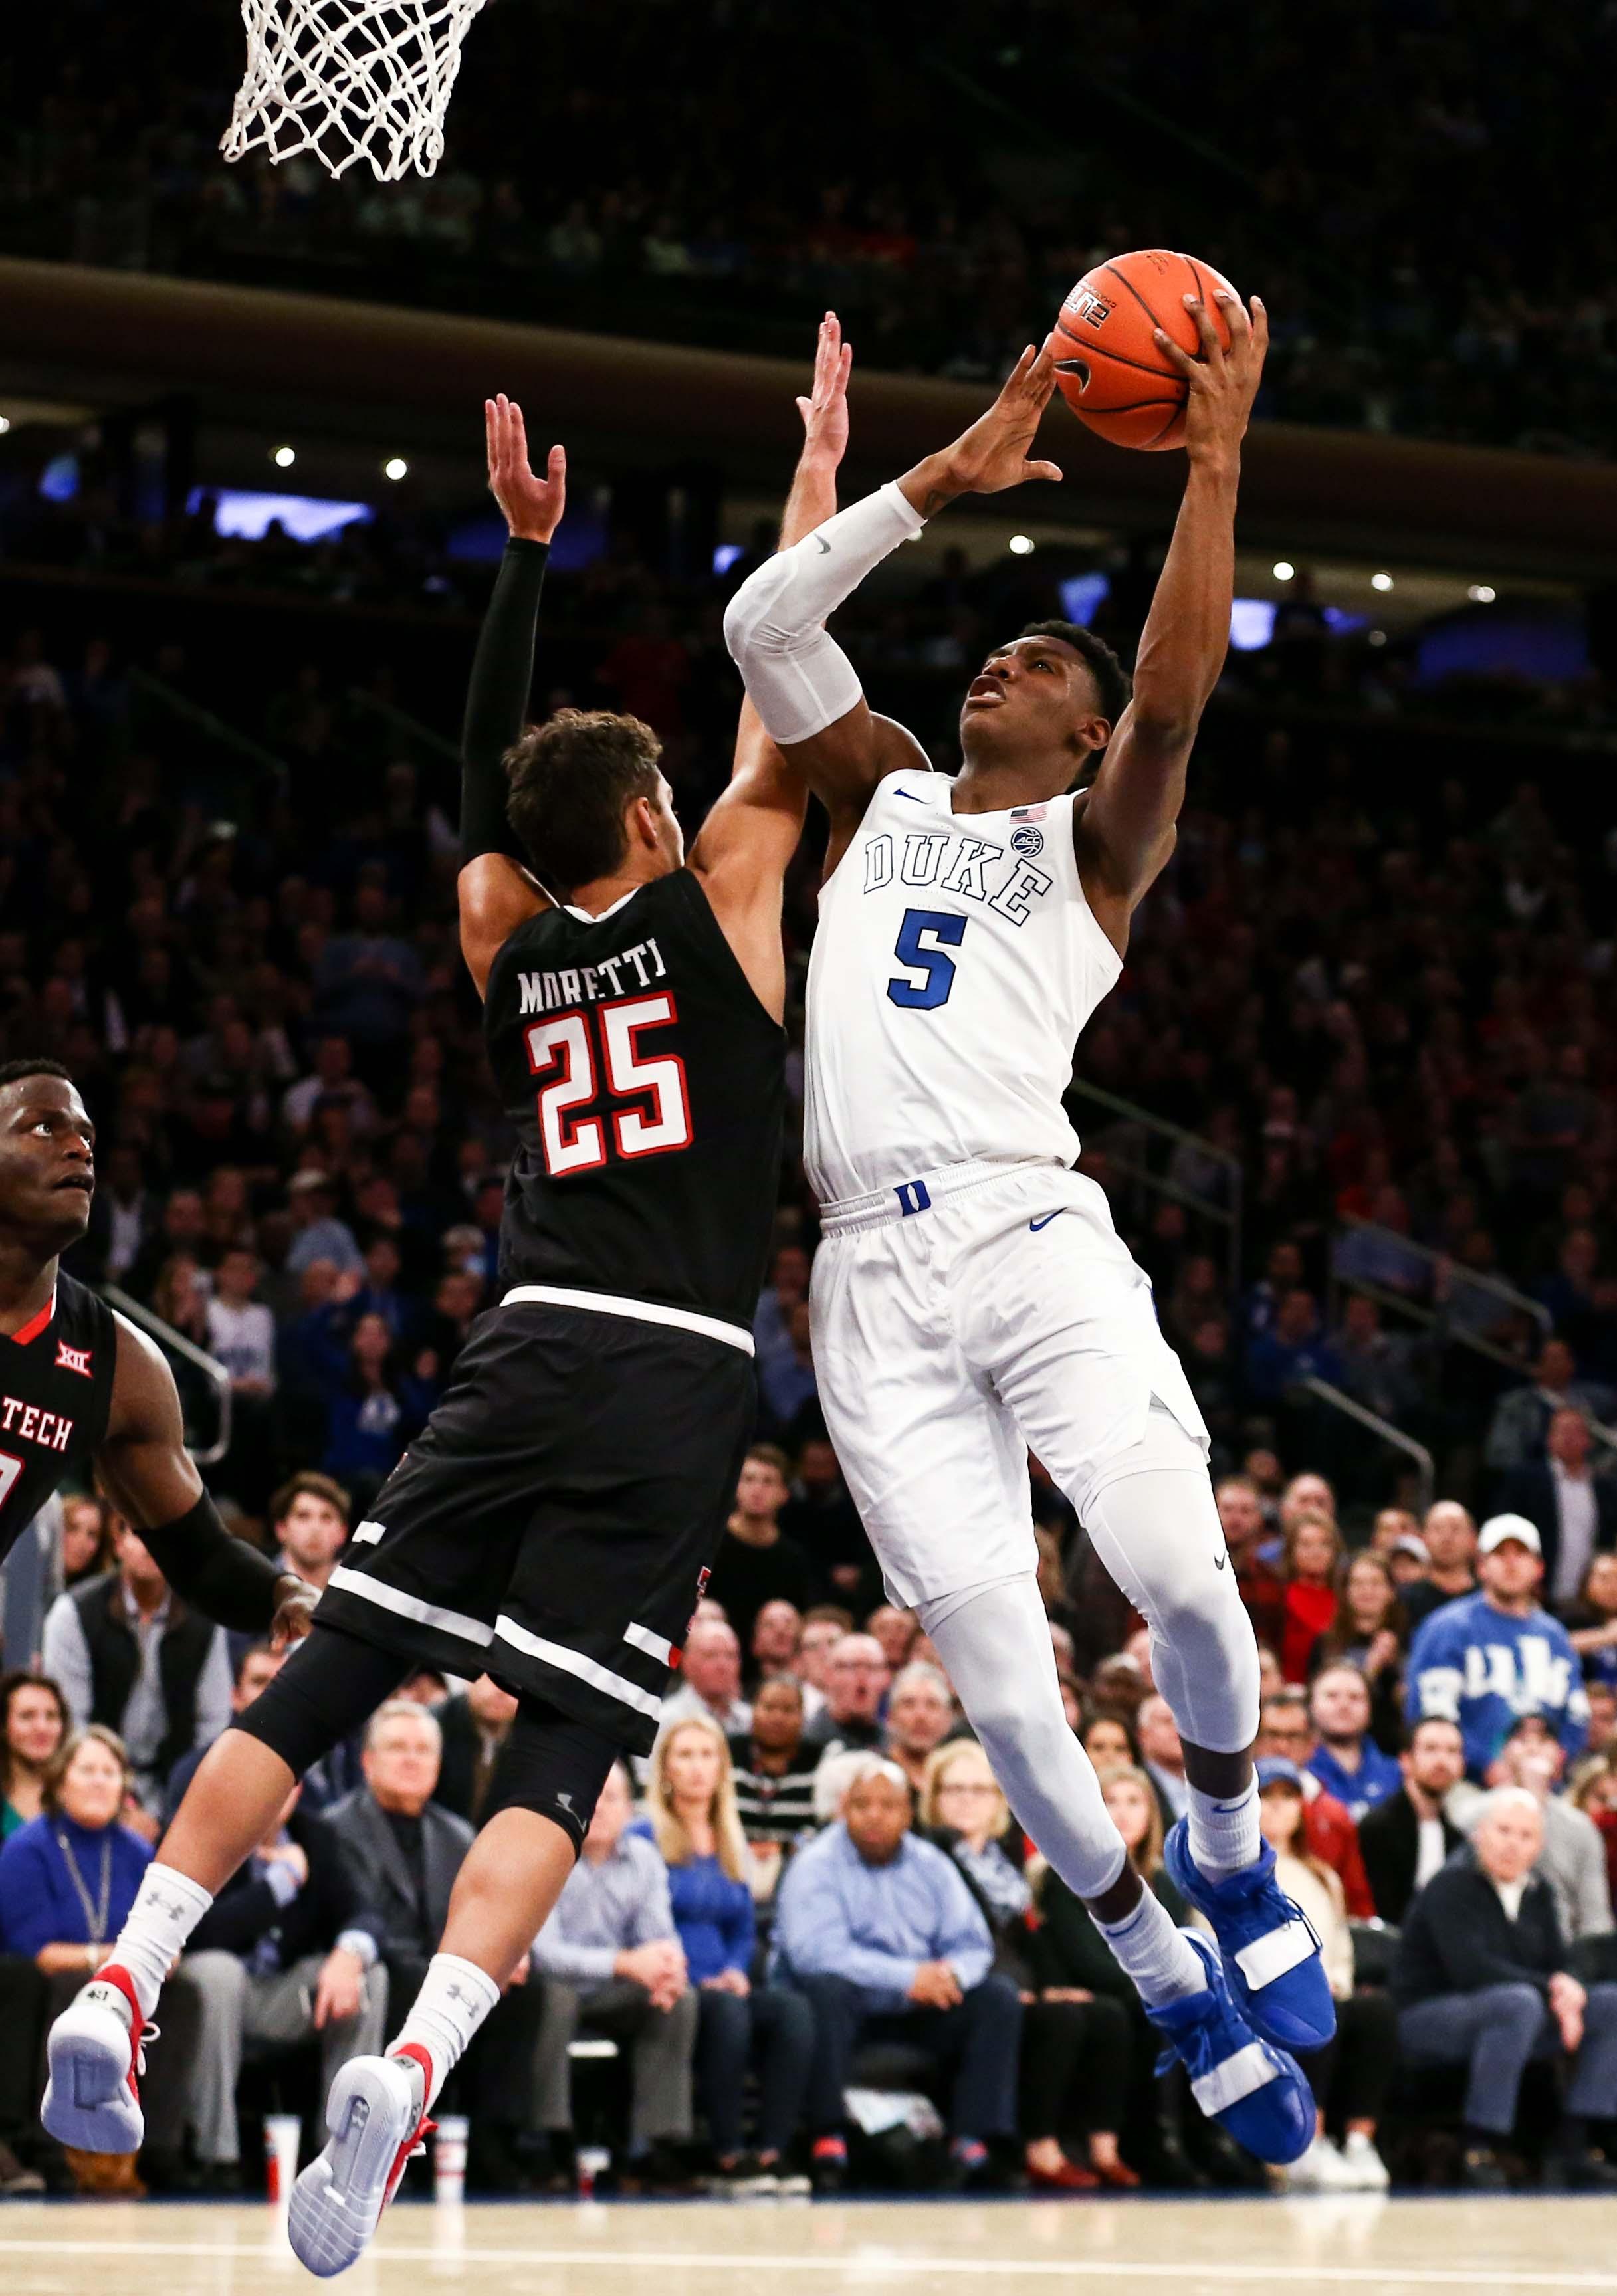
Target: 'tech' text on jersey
[646, 1086]
[56, 1395]
[955, 964]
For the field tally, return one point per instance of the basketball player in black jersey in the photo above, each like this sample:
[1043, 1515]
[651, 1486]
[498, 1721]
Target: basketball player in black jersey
[554, 1525]
[83, 1392]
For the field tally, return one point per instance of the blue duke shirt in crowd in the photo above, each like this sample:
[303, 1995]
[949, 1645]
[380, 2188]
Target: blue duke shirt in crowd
[875, 1924]
[1483, 1669]
[1377, 1776]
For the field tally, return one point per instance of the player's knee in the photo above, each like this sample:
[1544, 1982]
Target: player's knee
[554, 1766]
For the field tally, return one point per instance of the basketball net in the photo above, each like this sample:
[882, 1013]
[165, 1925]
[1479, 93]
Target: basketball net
[348, 80]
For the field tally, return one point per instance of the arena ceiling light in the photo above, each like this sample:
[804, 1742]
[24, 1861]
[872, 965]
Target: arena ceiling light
[1021, 545]
[396, 468]
[284, 458]
[1481, 593]
[1283, 569]
[1381, 581]
[5, 425]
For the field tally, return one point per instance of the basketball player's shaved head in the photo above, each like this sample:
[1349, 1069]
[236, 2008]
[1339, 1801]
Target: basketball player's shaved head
[47, 1157]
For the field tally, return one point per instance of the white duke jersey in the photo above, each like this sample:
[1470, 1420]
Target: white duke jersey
[955, 964]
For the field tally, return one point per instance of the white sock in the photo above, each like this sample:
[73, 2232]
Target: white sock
[1224, 1830]
[168, 1907]
[455, 1996]
[1164, 1965]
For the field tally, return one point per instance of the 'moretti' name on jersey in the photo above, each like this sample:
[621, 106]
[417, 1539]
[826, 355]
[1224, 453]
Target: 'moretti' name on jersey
[587, 984]
[646, 1086]
[979, 869]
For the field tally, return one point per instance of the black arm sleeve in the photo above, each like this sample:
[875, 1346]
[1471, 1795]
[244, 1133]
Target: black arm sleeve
[227, 1580]
[497, 703]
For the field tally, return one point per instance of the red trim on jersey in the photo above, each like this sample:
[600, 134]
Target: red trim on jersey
[35, 1323]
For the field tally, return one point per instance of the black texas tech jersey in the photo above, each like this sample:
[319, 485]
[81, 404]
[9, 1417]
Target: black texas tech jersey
[647, 1087]
[55, 1393]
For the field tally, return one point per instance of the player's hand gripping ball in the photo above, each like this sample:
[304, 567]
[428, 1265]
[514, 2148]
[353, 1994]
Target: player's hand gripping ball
[1111, 372]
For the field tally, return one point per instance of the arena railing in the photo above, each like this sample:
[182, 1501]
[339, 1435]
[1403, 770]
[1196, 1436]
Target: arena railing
[1445, 1278]
[212, 1373]
[1394, 1437]
[1225, 1215]
[215, 729]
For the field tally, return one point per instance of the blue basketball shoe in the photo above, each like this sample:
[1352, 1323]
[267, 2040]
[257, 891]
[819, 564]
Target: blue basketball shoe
[1269, 1948]
[1258, 2094]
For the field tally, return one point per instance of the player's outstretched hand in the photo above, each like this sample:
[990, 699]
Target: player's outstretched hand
[993, 453]
[532, 507]
[294, 1610]
[825, 413]
[1223, 383]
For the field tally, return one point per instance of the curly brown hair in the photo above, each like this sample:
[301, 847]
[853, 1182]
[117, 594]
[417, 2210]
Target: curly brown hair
[571, 780]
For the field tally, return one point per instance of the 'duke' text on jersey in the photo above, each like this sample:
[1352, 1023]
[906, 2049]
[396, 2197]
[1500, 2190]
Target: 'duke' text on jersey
[587, 984]
[975, 868]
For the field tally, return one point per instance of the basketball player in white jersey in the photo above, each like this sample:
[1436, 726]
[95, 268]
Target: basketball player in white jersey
[971, 1297]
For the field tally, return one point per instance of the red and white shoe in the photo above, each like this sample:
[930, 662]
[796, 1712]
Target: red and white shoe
[96, 2055]
[377, 2114]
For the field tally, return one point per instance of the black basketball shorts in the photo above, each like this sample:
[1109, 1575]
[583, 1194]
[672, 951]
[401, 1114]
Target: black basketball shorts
[554, 1524]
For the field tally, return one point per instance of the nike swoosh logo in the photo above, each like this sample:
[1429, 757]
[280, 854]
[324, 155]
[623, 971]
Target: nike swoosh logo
[824, 545]
[1036, 1224]
[911, 796]
[1219, 1560]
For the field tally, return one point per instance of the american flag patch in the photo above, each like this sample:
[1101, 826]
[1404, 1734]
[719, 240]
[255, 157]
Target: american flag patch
[1029, 812]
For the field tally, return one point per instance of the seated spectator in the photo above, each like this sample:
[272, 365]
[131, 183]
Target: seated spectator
[1408, 1562]
[825, 1523]
[1346, 1759]
[311, 1196]
[1110, 1741]
[34, 1720]
[402, 1853]
[1572, 1860]
[1591, 1622]
[878, 1929]
[612, 1959]
[373, 1412]
[475, 1724]
[856, 1678]
[773, 1650]
[257, 1665]
[285, 1955]
[1406, 1838]
[1451, 1539]
[1494, 1655]
[1294, 1348]
[1351, 2077]
[756, 1563]
[1261, 1588]
[1603, 1717]
[787, 1287]
[1370, 1632]
[1481, 1979]
[131, 1656]
[710, 1670]
[690, 1801]
[822, 1629]
[1075, 2053]
[308, 1519]
[1393, 1525]
[68, 1879]
[1163, 1756]
[1520, 1426]
[1312, 1553]
[1574, 1509]
[1284, 1728]
[896, 1630]
[920, 1716]
[787, 1385]
[87, 1540]
[775, 1773]
[1594, 1793]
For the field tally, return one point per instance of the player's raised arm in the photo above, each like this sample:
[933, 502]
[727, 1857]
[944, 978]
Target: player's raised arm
[805, 690]
[1125, 833]
[496, 892]
[149, 1476]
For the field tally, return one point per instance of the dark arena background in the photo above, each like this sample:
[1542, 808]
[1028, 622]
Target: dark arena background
[1353, 1101]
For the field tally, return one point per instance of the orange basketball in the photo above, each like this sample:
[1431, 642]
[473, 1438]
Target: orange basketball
[1111, 374]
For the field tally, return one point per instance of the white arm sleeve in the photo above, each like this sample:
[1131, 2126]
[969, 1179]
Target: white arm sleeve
[799, 678]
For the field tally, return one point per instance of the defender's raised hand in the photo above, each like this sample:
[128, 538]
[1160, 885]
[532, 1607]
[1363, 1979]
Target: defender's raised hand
[993, 453]
[532, 507]
[1222, 383]
[825, 413]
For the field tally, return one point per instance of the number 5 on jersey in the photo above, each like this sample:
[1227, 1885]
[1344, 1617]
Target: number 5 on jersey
[564, 1050]
[923, 938]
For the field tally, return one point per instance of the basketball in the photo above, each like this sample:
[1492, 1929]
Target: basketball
[1112, 374]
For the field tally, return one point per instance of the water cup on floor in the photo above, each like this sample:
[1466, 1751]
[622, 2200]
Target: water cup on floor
[449, 2159]
[282, 2136]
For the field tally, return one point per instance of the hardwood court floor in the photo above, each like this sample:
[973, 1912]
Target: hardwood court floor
[1011, 2248]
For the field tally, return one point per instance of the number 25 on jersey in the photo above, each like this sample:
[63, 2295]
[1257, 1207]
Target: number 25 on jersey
[923, 938]
[563, 1050]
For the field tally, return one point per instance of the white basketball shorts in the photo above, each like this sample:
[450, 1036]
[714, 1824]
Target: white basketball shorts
[962, 1319]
